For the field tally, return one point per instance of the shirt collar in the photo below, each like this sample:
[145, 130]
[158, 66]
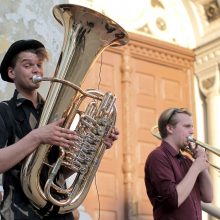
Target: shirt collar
[20, 99]
[170, 149]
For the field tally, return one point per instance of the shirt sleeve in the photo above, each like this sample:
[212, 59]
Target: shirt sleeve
[162, 180]
[4, 134]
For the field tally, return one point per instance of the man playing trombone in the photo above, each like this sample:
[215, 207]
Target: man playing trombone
[175, 183]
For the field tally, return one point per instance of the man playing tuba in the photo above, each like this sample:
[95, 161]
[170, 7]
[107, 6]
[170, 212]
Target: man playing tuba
[19, 135]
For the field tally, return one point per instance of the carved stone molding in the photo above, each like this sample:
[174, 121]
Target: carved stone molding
[208, 57]
[207, 54]
[212, 11]
[144, 48]
[209, 81]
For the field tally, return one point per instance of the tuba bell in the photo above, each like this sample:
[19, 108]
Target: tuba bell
[86, 34]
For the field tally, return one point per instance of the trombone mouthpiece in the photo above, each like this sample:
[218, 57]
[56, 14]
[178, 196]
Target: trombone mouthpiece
[190, 138]
[36, 79]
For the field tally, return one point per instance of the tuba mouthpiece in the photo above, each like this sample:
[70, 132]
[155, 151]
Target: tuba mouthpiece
[36, 79]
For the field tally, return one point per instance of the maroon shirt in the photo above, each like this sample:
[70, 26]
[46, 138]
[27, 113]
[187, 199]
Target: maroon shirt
[164, 169]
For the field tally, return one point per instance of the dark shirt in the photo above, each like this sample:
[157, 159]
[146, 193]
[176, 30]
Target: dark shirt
[22, 119]
[164, 169]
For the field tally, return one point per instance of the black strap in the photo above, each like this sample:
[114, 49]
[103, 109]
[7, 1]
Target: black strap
[55, 210]
[45, 210]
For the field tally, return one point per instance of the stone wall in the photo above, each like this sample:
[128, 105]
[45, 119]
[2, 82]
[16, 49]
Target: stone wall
[26, 19]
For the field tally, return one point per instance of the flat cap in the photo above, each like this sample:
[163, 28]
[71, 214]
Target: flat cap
[14, 49]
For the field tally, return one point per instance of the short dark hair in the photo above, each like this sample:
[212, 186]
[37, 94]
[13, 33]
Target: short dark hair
[168, 117]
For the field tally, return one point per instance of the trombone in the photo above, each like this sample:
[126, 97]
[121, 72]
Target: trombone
[189, 149]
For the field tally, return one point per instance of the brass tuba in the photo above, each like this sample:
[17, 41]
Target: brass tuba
[87, 34]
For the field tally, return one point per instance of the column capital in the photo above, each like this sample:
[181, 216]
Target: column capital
[209, 82]
[207, 68]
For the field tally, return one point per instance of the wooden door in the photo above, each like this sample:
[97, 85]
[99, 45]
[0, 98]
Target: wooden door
[106, 196]
[156, 87]
[147, 76]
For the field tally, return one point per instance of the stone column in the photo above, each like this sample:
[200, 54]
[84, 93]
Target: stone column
[207, 71]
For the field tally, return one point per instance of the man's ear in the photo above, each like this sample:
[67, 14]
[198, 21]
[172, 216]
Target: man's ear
[169, 129]
[11, 73]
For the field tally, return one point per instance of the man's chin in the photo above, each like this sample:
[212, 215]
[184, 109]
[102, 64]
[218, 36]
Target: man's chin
[36, 85]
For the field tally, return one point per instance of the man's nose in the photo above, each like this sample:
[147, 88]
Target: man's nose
[36, 68]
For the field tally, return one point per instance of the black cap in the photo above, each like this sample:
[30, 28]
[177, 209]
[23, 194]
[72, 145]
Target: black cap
[13, 50]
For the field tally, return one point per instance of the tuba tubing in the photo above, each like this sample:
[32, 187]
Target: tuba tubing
[86, 34]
